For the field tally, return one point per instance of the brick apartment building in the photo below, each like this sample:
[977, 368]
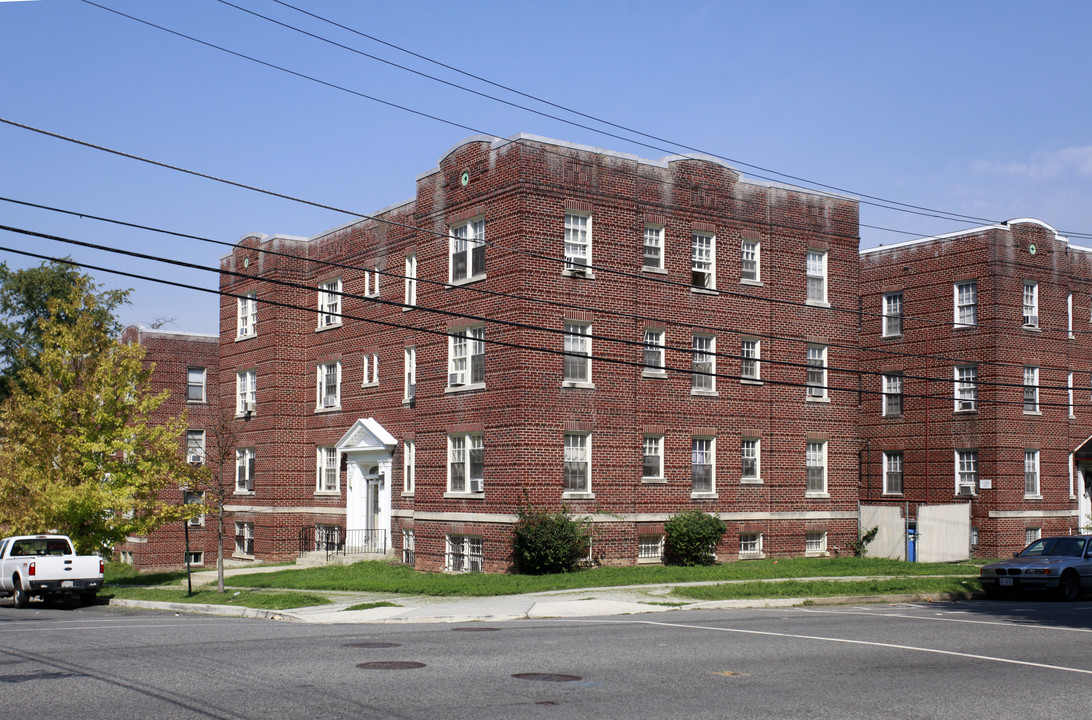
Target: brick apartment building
[561, 325]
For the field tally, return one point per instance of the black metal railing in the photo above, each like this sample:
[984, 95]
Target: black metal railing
[338, 541]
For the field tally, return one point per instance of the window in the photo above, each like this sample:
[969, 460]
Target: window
[195, 557]
[1031, 389]
[1069, 393]
[410, 368]
[327, 537]
[892, 395]
[409, 545]
[577, 463]
[966, 388]
[195, 447]
[1069, 314]
[371, 369]
[1031, 304]
[411, 280]
[817, 468]
[817, 276]
[966, 304]
[466, 463]
[244, 470]
[466, 357]
[371, 282]
[750, 260]
[892, 473]
[577, 342]
[702, 464]
[892, 314]
[650, 547]
[195, 384]
[1032, 534]
[653, 465]
[194, 497]
[654, 352]
[409, 466]
[750, 454]
[464, 554]
[247, 316]
[749, 364]
[966, 472]
[467, 250]
[328, 386]
[817, 372]
[328, 472]
[578, 239]
[815, 542]
[244, 539]
[704, 364]
[1031, 473]
[703, 257]
[750, 543]
[329, 303]
[246, 392]
[654, 247]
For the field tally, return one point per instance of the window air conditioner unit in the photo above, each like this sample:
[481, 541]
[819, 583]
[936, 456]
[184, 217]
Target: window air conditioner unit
[966, 491]
[966, 404]
[1033, 321]
[578, 266]
[454, 379]
[477, 485]
[329, 401]
[195, 459]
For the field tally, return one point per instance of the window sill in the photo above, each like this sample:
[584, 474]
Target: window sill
[704, 496]
[1033, 412]
[407, 493]
[653, 481]
[892, 494]
[650, 561]
[240, 556]
[331, 326]
[1072, 336]
[464, 281]
[892, 416]
[406, 307]
[369, 385]
[197, 402]
[657, 270]
[327, 493]
[452, 495]
[331, 409]
[816, 553]
[750, 481]
[750, 381]
[583, 274]
[654, 373]
[464, 388]
[704, 291]
[577, 384]
[249, 493]
[964, 326]
[240, 338]
[892, 336]
[817, 303]
[752, 555]
[1033, 497]
[409, 402]
[704, 393]
[813, 399]
[573, 495]
[1032, 328]
[752, 283]
[817, 495]
[966, 412]
[245, 415]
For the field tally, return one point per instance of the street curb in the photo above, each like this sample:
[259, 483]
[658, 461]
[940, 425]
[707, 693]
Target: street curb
[205, 609]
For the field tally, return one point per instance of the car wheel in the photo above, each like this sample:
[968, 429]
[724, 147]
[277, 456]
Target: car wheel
[996, 593]
[1069, 586]
[19, 595]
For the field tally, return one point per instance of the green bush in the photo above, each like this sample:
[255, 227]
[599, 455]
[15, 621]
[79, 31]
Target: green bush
[548, 542]
[691, 537]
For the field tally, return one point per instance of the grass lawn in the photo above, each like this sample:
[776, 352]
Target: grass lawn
[245, 598]
[376, 576]
[827, 588]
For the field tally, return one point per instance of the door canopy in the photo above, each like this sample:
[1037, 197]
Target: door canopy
[366, 436]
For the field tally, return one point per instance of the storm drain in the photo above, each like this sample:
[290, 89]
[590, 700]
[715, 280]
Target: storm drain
[391, 665]
[547, 677]
[475, 629]
[372, 645]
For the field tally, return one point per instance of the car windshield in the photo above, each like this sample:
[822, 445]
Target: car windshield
[1062, 546]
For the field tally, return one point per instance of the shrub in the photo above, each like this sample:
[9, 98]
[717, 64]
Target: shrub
[548, 542]
[691, 537]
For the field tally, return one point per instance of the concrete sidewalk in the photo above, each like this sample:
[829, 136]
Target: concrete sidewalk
[588, 602]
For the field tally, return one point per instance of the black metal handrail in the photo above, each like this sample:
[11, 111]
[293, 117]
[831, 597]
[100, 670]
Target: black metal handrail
[338, 541]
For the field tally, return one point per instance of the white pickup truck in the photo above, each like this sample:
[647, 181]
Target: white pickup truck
[46, 566]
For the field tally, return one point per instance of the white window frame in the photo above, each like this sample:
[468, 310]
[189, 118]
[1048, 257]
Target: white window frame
[1069, 315]
[246, 391]
[329, 303]
[1030, 316]
[466, 358]
[750, 454]
[815, 543]
[965, 303]
[966, 470]
[703, 461]
[816, 274]
[653, 353]
[194, 497]
[578, 243]
[1031, 475]
[194, 557]
[1031, 534]
[463, 553]
[247, 316]
[409, 547]
[327, 470]
[653, 247]
[750, 364]
[892, 314]
[816, 377]
[371, 282]
[650, 547]
[893, 473]
[371, 369]
[892, 395]
[467, 240]
[409, 374]
[1069, 395]
[750, 261]
[196, 377]
[966, 388]
[195, 447]
[652, 447]
[244, 539]
[328, 386]
[411, 282]
[577, 453]
[245, 459]
[409, 467]
[1031, 390]
[464, 472]
[703, 261]
[576, 370]
[815, 461]
[703, 365]
[750, 543]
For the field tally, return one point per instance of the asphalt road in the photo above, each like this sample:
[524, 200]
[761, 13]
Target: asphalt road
[1012, 659]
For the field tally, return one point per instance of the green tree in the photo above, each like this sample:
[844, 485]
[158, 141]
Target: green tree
[24, 303]
[80, 453]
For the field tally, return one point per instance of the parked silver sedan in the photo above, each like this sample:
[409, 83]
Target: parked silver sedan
[1062, 565]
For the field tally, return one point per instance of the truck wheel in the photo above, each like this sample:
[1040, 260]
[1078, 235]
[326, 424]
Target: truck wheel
[88, 597]
[19, 595]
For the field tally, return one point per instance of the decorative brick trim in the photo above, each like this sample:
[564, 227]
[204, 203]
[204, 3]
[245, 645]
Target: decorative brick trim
[816, 525]
[460, 323]
[819, 244]
[818, 339]
[650, 528]
[579, 206]
[892, 445]
[705, 432]
[407, 523]
[704, 227]
[578, 426]
[654, 429]
[649, 324]
[655, 219]
[1032, 362]
[751, 235]
[409, 342]
[751, 526]
[463, 428]
[465, 214]
[960, 444]
[328, 358]
[816, 435]
[750, 432]
[411, 436]
[892, 287]
[1033, 446]
[579, 315]
[371, 350]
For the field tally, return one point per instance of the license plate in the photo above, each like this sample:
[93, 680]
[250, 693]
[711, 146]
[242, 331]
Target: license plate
[66, 583]
[1004, 581]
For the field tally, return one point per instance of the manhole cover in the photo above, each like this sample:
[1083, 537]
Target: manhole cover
[547, 677]
[391, 665]
[475, 629]
[372, 645]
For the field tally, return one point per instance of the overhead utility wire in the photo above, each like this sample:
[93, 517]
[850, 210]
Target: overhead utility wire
[522, 326]
[545, 301]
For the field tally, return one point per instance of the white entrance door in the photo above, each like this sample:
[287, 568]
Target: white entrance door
[1084, 498]
[368, 450]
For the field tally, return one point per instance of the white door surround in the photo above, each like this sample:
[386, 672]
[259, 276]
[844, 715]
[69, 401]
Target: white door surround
[368, 450]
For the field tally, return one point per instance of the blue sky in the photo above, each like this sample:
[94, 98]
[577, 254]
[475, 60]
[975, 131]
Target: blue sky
[975, 108]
